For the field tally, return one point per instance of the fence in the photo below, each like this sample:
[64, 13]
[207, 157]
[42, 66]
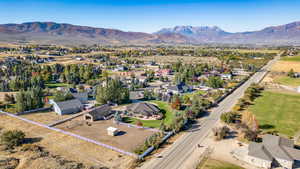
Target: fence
[34, 110]
[152, 148]
[71, 134]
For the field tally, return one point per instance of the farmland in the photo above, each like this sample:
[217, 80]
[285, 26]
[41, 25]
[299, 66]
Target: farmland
[277, 111]
[217, 164]
[285, 80]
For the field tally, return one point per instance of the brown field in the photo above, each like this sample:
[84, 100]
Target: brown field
[128, 139]
[69, 147]
[184, 59]
[285, 66]
[254, 50]
[45, 117]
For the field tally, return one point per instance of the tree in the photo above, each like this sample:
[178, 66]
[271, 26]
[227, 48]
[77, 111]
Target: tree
[176, 103]
[250, 121]
[139, 123]
[12, 138]
[10, 99]
[62, 96]
[291, 73]
[112, 92]
[220, 132]
[215, 82]
[228, 117]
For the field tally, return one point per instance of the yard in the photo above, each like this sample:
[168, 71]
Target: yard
[67, 146]
[128, 139]
[278, 111]
[45, 117]
[285, 80]
[55, 85]
[216, 164]
[292, 58]
[168, 116]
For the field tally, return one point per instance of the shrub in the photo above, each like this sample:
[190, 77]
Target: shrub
[220, 132]
[228, 117]
[12, 138]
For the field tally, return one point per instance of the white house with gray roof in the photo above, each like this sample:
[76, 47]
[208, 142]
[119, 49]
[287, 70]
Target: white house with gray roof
[274, 151]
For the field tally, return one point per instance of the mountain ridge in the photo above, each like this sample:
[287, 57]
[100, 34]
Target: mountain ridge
[63, 33]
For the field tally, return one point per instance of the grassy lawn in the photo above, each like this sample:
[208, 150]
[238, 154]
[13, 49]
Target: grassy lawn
[146, 123]
[216, 164]
[197, 92]
[293, 58]
[55, 85]
[169, 115]
[278, 112]
[285, 80]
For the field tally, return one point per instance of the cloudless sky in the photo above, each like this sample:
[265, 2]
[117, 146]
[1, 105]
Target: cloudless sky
[152, 15]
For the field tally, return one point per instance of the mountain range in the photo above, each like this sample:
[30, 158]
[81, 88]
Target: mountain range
[67, 34]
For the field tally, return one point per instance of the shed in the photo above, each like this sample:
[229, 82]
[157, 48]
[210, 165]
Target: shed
[67, 107]
[112, 131]
[98, 113]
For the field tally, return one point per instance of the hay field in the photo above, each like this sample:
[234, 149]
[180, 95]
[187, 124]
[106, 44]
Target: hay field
[285, 66]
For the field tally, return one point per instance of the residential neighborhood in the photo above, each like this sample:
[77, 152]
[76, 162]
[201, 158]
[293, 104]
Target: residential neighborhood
[149, 84]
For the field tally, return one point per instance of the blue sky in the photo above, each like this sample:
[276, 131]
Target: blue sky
[152, 15]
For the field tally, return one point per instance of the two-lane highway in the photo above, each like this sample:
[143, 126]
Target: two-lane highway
[175, 156]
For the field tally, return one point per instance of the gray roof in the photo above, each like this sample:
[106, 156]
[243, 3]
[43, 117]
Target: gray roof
[274, 147]
[143, 108]
[136, 95]
[65, 105]
[80, 95]
[258, 150]
[103, 110]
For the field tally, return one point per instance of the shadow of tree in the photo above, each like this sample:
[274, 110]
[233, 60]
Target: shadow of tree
[32, 140]
[266, 126]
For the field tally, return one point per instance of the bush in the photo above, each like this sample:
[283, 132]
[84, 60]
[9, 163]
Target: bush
[221, 132]
[12, 138]
[228, 117]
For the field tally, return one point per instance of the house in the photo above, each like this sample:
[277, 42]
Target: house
[82, 97]
[274, 151]
[178, 89]
[112, 131]
[136, 95]
[240, 72]
[98, 113]
[226, 76]
[144, 110]
[67, 107]
[163, 72]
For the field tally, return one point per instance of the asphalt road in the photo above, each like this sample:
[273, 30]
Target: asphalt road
[175, 156]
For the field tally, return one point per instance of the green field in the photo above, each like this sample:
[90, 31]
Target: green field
[55, 85]
[285, 80]
[168, 116]
[293, 58]
[216, 164]
[278, 112]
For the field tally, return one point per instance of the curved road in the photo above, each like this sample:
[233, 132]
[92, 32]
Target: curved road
[175, 156]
